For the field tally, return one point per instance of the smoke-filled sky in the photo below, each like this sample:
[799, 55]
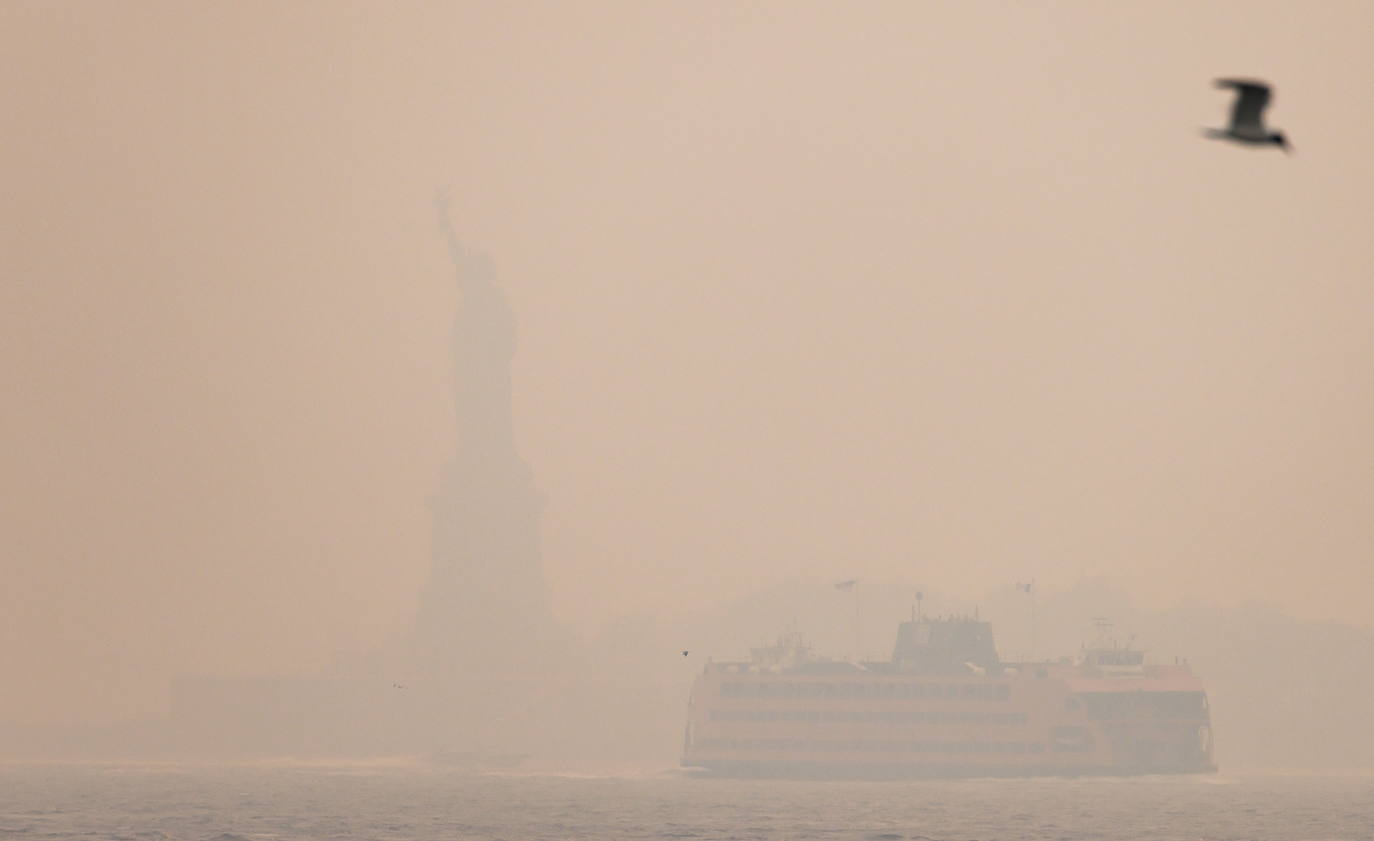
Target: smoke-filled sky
[947, 291]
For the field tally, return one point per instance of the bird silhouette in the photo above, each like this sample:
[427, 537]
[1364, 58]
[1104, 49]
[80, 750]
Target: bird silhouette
[1247, 115]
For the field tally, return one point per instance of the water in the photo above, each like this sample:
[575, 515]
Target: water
[383, 802]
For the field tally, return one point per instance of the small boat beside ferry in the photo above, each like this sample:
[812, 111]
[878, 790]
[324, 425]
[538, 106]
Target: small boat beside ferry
[945, 705]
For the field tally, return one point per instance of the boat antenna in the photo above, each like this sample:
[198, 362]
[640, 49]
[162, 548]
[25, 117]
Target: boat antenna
[1029, 589]
[1104, 628]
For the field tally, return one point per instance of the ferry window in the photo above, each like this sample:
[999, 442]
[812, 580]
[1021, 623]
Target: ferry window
[1173, 704]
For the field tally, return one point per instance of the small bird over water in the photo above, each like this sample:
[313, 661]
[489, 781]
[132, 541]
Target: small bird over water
[1247, 115]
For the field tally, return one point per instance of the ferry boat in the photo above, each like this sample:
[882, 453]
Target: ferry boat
[945, 705]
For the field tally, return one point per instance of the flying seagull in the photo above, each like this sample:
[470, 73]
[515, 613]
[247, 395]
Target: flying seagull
[1247, 115]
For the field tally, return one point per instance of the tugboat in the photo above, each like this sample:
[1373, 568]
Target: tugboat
[945, 705]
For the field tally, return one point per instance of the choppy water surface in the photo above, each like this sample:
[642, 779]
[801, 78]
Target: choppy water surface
[150, 802]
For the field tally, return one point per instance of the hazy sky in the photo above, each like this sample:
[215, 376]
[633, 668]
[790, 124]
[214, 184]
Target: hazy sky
[948, 291]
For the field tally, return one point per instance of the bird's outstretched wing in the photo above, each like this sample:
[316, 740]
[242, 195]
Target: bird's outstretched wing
[1251, 98]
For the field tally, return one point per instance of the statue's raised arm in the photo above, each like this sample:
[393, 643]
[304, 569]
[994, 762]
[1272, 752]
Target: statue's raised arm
[472, 269]
[455, 248]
